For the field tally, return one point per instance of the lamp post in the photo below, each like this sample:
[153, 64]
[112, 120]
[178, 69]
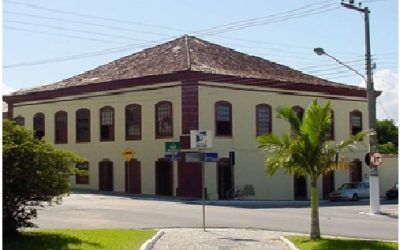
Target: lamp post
[373, 171]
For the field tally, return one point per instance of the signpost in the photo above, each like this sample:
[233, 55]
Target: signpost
[201, 139]
[376, 159]
[128, 155]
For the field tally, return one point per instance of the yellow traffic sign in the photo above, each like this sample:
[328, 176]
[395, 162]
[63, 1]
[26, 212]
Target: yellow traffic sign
[128, 154]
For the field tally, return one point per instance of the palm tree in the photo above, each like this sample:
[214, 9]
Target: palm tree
[305, 150]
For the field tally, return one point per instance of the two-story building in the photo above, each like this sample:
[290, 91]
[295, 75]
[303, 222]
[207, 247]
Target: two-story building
[159, 94]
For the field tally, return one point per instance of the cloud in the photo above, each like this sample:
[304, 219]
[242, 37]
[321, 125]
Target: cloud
[6, 89]
[387, 103]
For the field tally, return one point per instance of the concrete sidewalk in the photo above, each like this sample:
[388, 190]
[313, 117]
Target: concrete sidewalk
[219, 239]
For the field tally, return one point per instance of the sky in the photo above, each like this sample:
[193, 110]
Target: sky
[47, 41]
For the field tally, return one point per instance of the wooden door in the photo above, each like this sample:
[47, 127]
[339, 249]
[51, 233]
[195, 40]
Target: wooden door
[328, 183]
[300, 188]
[189, 179]
[106, 176]
[164, 177]
[133, 180]
[225, 179]
[355, 171]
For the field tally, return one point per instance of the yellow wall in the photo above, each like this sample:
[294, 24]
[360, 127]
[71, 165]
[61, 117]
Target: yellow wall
[249, 167]
[388, 173]
[148, 150]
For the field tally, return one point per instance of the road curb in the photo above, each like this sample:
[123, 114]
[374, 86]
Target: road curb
[288, 243]
[148, 244]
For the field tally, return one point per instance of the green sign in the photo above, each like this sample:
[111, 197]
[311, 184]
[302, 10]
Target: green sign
[172, 147]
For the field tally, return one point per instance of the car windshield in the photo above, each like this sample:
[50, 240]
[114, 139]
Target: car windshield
[348, 186]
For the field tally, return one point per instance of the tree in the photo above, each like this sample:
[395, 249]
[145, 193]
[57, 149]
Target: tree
[387, 136]
[33, 173]
[305, 150]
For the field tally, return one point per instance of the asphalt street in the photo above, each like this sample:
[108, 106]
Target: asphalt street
[85, 210]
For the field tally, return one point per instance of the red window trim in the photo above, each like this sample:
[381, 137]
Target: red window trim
[133, 137]
[39, 115]
[230, 118]
[64, 131]
[355, 113]
[83, 180]
[112, 127]
[263, 105]
[299, 109]
[331, 137]
[77, 139]
[157, 132]
[20, 120]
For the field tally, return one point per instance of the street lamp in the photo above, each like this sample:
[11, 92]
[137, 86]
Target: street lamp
[373, 174]
[321, 51]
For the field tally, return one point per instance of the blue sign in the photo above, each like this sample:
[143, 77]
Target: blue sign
[211, 157]
[173, 157]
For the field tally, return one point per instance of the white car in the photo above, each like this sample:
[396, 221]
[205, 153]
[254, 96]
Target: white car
[351, 191]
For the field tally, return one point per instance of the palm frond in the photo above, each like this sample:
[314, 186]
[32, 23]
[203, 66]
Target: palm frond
[288, 114]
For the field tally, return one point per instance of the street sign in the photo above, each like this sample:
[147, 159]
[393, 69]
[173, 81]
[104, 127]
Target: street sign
[200, 139]
[172, 147]
[173, 157]
[376, 159]
[211, 157]
[196, 157]
[192, 157]
[128, 154]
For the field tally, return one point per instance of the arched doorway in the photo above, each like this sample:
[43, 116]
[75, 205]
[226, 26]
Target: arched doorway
[355, 170]
[106, 176]
[328, 183]
[164, 177]
[225, 179]
[189, 178]
[300, 188]
[133, 183]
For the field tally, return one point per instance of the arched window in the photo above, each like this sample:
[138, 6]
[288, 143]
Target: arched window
[330, 135]
[82, 125]
[20, 120]
[107, 124]
[299, 111]
[223, 118]
[82, 179]
[61, 127]
[39, 125]
[355, 122]
[263, 119]
[133, 122]
[164, 124]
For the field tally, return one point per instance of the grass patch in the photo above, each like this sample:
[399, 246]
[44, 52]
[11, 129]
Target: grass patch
[112, 239]
[304, 243]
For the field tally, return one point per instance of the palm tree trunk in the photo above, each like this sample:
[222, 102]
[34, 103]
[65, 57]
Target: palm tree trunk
[315, 233]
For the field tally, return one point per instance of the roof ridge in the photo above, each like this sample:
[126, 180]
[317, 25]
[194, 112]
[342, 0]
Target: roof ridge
[200, 56]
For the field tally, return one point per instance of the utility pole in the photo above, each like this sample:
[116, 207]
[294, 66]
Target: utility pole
[373, 171]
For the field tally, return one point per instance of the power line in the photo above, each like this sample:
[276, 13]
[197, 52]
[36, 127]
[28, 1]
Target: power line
[79, 56]
[111, 27]
[254, 21]
[59, 34]
[119, 50]
[58, 11]
[214, 31]
[69, 29]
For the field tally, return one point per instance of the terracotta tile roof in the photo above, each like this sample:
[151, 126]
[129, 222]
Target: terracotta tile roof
[183, 54]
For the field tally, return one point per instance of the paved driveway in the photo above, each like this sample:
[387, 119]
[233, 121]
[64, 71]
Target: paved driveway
[82, 210]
